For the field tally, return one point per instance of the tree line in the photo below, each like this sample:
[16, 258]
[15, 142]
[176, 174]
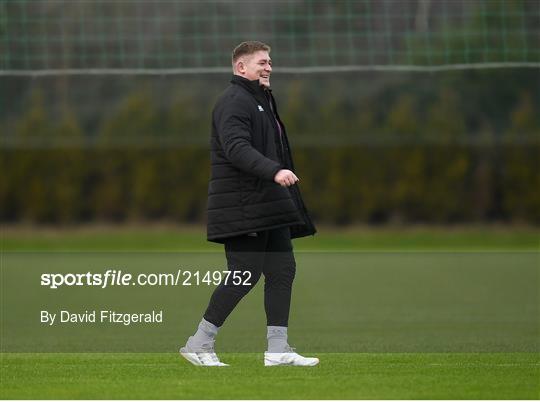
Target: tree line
[400, 156]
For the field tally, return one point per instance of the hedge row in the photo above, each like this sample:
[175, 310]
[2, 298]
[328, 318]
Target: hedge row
[409, 183]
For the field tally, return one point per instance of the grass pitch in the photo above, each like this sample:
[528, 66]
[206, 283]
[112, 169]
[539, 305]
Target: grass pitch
[467, 321]
[339, 376]
[193, 238]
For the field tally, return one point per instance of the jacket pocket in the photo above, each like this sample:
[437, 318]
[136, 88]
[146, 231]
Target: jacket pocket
[251, 188]
[259, 185]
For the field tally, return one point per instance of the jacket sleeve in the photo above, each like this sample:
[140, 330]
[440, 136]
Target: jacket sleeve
[234, 131]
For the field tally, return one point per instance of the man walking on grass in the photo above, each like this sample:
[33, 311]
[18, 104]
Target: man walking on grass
[254, 208]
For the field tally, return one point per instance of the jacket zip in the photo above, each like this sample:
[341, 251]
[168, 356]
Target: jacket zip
[280, 131]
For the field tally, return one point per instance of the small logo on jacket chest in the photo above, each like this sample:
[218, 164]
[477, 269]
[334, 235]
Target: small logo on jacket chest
[260, 108]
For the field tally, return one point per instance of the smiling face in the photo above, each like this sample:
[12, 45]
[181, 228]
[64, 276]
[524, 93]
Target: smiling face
[256, 66]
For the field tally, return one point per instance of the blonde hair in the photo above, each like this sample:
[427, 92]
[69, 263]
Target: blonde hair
[247, 48]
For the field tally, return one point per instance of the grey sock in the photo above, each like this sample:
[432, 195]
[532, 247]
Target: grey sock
[206, 333]
[277, 339]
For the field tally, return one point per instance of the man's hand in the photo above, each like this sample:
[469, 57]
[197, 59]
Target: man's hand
[285, 178]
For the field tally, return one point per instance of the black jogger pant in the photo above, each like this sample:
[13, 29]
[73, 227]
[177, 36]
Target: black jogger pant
[268, 252]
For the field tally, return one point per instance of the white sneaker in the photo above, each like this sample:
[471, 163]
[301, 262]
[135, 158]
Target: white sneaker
[288, 358]
[203, 356]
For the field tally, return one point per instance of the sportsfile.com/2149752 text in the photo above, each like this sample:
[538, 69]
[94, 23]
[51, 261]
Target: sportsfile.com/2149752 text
[113, 277]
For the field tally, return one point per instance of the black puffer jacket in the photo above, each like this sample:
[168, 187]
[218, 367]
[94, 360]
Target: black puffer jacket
[246, 154]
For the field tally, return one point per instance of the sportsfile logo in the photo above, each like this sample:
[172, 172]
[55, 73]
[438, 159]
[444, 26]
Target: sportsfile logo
[113, 277]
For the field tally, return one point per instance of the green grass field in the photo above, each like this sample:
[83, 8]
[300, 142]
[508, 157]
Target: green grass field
[405, 314]
[167, 238]
[339, 376]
